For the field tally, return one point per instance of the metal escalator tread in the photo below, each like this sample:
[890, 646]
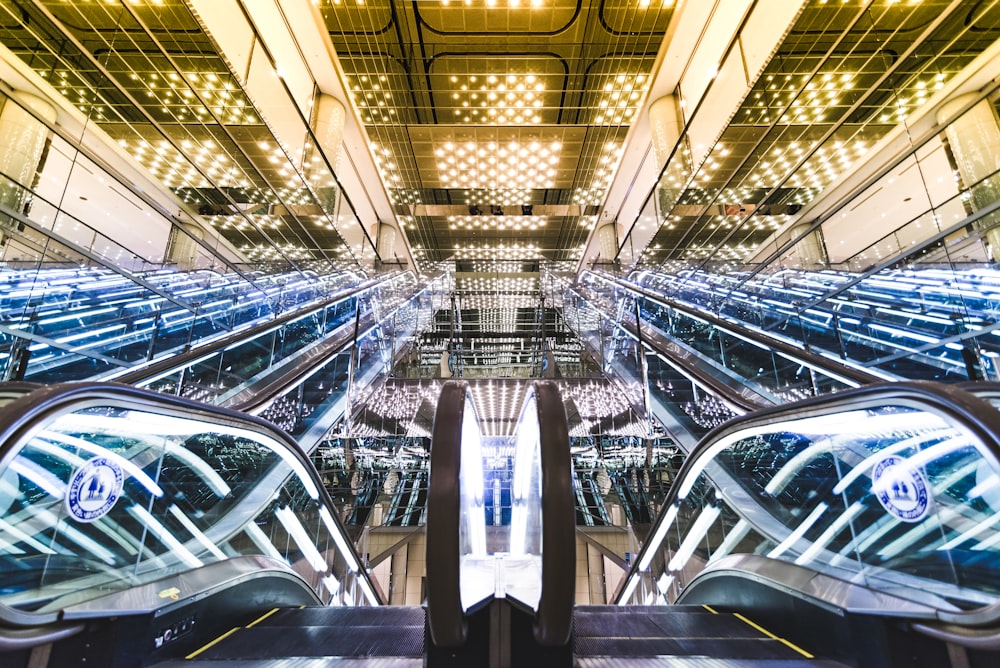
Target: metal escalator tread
[307, 634]
[688, 635]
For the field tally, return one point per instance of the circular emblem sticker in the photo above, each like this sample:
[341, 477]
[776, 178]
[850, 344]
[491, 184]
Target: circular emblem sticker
[901, 490]
[93, 489]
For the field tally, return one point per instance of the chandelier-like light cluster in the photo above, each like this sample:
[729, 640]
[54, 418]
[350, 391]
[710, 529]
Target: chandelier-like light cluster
[496, 166]
[488, 222]
[512, 99]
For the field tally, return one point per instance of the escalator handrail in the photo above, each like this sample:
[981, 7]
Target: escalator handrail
[966, 410]
[184, 359]
[795, 353]
[554, 620]
[337, 342]
[19, 420]
[445, 617]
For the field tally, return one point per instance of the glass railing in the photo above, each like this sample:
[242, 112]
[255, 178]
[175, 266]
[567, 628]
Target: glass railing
[74, 324]
[893, 488]
[923, 323]
[691, 369]
[219, 372]
[106, 488]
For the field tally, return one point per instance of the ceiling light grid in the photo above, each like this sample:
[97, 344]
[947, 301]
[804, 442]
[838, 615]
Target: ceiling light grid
[373, 98]
[498, 404]
[491, 99]
[619, 99]
[499, 251]
[494, 165]
[506, 197]
[496, 223]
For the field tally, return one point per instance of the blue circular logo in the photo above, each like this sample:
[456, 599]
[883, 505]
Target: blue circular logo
[901, 490]
[94, 489]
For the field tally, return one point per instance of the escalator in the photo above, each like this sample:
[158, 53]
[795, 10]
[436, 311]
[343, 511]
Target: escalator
[74, 324]
[139, 527]
[861, 527]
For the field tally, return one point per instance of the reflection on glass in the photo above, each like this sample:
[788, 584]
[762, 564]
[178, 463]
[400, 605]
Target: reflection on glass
[104, 498]
[895, 497]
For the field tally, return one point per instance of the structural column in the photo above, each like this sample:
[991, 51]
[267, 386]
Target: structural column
[386, 242]
[22, 144]
[328, 127]
[809, 250]
[974, 142]
[607, 236]
[665, 122]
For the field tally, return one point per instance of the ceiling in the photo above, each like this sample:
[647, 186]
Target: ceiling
[498, 126]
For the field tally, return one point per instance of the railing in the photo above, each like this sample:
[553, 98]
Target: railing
[107, 488]
[891, 488]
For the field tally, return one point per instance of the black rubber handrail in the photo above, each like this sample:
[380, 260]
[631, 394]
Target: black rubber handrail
[961, 407]
[787, 350]
[445, 617]
[554, 619]
[20, 418]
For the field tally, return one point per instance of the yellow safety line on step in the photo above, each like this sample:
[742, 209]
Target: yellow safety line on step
[262, 618]
[211, 644]
[709, 608]
[771, 635]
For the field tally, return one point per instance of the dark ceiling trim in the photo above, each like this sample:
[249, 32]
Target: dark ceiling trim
[494, 33]
[368, 33]
[497, 54]
[626, 33]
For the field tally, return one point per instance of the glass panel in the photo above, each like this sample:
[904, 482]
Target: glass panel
[894, 496]
[104, 498]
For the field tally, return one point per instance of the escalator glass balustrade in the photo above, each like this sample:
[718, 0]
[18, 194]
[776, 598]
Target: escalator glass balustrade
[891, 489]
[104, 489]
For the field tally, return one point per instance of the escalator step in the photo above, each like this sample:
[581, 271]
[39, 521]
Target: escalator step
[689, 636]
[661, 624]
[344, 662]
[369, 636]
[716, 647]
[698, 662]
[320, 641]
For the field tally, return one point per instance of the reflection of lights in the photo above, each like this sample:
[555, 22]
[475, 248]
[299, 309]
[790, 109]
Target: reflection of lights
[832, 532]
[694, 536]
[196, 532]
[15, 532]
[527, 462]
[125, 464]
[145, 518]
[799, 531]
[655, 544]
[263, 543]
[200, 466]
[41, 478]
[298, 533]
